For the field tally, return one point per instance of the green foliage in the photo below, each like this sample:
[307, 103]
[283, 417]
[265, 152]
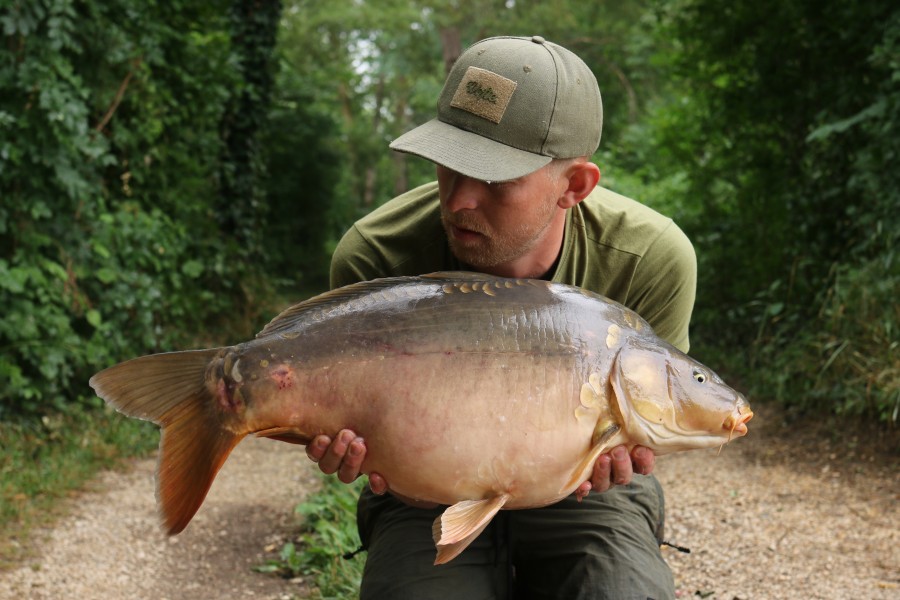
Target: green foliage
[378, 67]
[374, 67]
[779, 126]
[307, 214]
[110, 159]
[853, 343]
[241, 207]
[329, 531]
[848, 361]
[55, 331]
[112, 245]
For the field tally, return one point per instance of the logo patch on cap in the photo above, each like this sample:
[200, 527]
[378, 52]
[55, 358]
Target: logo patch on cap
[484, 93]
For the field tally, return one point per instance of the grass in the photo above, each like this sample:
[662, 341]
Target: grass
[327, 535]
[45, 461]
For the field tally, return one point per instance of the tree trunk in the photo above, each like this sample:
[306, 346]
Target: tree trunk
[401, 122]
[451, 45]
[371, 178]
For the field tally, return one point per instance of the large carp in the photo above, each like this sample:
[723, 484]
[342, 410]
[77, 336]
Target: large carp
[473, 391]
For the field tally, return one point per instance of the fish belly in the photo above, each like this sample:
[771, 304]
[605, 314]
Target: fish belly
[465, 426]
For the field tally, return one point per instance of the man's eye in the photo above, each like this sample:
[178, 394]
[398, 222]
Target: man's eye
[501, 184]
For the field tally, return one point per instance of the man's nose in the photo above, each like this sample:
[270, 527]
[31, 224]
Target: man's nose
[465, 193]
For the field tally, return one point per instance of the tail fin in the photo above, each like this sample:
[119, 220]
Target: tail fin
[170, 390]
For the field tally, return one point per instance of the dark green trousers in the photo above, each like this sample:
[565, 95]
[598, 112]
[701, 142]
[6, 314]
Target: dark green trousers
[606, 547]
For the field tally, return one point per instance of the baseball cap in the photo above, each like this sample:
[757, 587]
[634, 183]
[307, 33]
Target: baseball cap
[509, 106]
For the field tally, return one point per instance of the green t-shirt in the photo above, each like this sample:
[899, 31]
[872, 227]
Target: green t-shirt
[613, 246]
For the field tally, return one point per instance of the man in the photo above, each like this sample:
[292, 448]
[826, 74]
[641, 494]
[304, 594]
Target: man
[517, 196]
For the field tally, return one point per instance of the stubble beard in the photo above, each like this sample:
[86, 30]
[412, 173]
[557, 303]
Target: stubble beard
[493, 249]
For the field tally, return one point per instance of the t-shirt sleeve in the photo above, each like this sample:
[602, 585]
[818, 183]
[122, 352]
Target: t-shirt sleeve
[665, 286]
[354, 260]
[402, 237]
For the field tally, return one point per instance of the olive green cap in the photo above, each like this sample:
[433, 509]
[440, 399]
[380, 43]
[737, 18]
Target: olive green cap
[509, 106]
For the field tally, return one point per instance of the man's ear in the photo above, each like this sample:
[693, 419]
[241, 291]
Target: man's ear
[582, 176]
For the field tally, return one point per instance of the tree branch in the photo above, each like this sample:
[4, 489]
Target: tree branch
[120, 93]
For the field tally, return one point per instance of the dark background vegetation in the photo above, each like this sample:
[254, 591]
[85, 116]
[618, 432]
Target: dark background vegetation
[173, 173]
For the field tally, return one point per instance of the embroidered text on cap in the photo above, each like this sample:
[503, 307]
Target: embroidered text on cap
[484, 93]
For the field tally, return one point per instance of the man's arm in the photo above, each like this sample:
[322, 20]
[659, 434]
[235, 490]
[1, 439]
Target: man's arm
[665, 285]
[354, 260]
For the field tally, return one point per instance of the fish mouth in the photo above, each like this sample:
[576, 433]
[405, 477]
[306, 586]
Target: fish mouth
[737, 423]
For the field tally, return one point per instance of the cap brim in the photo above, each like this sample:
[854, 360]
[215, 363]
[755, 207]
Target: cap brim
[468, 153]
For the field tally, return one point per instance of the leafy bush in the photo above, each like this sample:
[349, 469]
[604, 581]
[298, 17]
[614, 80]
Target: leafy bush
[329, 533]
[111, 158]
[790, 191]
[846, 359]
[847, 356]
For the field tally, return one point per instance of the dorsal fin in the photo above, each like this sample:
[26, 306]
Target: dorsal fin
[329, 300]
[340, 297]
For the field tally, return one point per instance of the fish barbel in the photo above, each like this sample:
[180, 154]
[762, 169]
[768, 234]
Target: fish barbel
[473, 391]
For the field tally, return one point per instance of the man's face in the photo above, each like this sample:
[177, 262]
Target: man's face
[493, 224]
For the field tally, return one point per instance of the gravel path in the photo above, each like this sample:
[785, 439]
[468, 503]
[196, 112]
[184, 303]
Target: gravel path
[112, 547]
[784, 513]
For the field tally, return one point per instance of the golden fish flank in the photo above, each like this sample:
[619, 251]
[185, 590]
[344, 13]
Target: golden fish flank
[506, 397]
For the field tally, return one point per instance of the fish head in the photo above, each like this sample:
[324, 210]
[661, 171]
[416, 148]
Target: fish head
[668, 401]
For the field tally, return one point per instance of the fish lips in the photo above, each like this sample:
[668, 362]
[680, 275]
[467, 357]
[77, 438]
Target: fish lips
[736, 423]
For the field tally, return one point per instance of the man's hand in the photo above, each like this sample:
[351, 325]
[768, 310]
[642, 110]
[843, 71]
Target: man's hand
[343, 455]
[616, 468]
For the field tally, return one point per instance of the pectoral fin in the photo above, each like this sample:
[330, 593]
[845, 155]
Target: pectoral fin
[460, 524]
[291, 435]
[604, 439]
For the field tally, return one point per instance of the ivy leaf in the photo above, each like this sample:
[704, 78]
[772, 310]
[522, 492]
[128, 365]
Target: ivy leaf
[94, 318]
[106, 275]
[192, 269]
[874, 111]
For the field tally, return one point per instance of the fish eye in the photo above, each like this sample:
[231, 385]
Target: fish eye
[699, 376]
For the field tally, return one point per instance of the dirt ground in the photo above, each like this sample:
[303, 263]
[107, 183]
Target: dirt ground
[787, 512]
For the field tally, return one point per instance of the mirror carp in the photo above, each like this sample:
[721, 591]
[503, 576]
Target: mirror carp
[472, 391]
